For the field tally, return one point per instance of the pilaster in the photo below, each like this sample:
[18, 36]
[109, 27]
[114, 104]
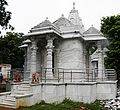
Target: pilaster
[49, 47]
[100, 61]
[28, 58]
[33, 57]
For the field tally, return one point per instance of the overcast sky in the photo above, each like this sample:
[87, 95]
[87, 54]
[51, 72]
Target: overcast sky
[28, 13]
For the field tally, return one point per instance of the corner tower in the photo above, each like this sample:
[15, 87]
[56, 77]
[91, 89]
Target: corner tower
[75, 19]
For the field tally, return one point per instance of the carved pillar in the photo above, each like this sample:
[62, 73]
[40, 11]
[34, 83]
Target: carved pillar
[33, 58]
[88, 60]
[100, 61]
[25, 61]
[28, 58]
[49, 67]
[85, 61]
[84, 56]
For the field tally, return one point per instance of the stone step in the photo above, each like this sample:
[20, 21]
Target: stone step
[7, 105]
[23, 89]
[19, 93]
[25, 86]
[9, 101]
[11, 96]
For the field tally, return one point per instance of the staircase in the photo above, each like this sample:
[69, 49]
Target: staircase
[10, 100]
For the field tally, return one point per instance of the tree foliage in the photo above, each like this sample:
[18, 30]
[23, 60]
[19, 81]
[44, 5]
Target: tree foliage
[110, 27]
[10, 53]
[5, 16]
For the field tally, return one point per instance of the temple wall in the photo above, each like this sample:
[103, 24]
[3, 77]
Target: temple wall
[106, 90]
[52, 92]
[41, 59]
[69, 54]
[57, 92]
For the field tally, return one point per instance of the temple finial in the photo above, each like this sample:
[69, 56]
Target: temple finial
[62, 15]
[46, 18]
[73, 5]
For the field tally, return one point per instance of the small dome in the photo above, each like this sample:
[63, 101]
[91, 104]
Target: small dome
[92, 30]
[45, 23]
[62, 21]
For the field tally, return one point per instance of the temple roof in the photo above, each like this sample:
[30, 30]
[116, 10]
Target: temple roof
[62, 21]
[92, 30]
[66, 28]
[45, 23]
[93, 34]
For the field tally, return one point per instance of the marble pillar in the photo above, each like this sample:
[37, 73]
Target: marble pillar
[84, 57]
[100, 61]
[33, 58]
[25, 61]
[88, 60]
[49, 47]
[28, 58]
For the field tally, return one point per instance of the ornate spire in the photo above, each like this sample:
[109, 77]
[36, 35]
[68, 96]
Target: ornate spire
[73, 5]
[75, 19]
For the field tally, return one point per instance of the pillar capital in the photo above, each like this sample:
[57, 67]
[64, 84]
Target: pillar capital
[99, 44]
[50, 43]
[34, 48]
[34, 45]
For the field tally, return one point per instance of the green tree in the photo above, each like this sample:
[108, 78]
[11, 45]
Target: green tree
[10, 52]
[5, 16]
[110, 27]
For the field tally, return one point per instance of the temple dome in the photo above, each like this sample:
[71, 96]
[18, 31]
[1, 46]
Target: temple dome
[62, 21]
[45, 23]
[93, 34]
[92, 30]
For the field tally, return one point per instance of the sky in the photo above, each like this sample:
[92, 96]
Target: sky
[28, 13]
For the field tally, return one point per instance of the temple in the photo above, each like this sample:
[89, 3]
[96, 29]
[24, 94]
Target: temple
[69, 61]
[64, 45]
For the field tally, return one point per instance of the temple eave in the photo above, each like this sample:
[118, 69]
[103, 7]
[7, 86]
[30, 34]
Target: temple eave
[94, 38]
[42, 33]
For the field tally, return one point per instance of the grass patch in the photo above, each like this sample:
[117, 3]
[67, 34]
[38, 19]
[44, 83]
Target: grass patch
[67, 104]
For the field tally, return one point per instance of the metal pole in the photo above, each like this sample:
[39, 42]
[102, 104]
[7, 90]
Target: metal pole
[63, 75]
[41, 75]
[58, 75]
[45, 75]
[88, 75]
[71, 75]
